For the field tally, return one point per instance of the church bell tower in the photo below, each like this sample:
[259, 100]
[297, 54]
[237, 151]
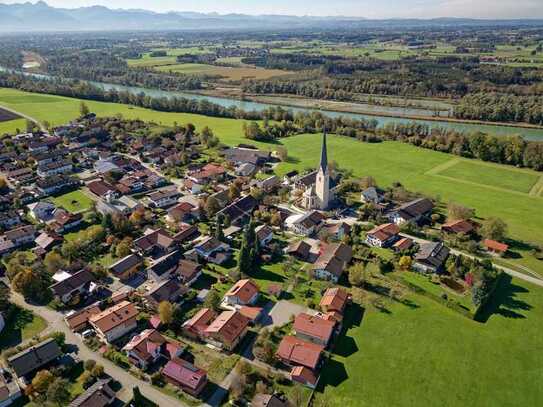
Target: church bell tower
[322, 185]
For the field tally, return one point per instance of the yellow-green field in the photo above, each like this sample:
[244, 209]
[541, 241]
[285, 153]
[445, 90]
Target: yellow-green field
[230, 73]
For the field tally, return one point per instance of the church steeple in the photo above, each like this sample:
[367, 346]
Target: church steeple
[324, 154]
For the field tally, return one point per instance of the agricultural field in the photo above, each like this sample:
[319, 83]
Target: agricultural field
[424, 354]
[228, 73]
[75, 201]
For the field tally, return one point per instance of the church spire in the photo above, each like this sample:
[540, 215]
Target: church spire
[324, 154]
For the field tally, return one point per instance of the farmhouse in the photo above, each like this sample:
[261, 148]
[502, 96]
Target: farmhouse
[332, 261]
[495, 247]
[334, 300]
[458, 226]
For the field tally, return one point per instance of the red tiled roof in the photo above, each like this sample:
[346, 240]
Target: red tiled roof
[458, 226]
[229, 325]
[245, 290]
[114, 316]
[303, 374]
[403, 244]
[250, 312]
[495, 246]
[200, 321]
[385, 232]
[145, 344]
[314, 326]
[335, 299]
[298, 352]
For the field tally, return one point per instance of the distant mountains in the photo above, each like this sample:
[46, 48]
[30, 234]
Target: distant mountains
[40, 16]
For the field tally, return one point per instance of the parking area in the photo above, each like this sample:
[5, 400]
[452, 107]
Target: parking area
[283, 310]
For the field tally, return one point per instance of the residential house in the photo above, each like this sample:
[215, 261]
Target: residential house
[213, 250]
[413, 211]
[244, 292]
[458, 226]
[102, 189]
[54, 168]
[10, 391]
[264, 234]
[196, 326]
[64, 221]
[495, 247]
[155, 243]
[148, 347]
[41, 211]
[21, 236]
[115, 322]
[164, 268]
[300, 249]
[186, 233]
[227, 330]
[383, 235]
[186, 376]
[314, 329]
[238, 156]
[100, 394]
[293, 351]
[188, 272]
[240, 211]
[77, 284]
[431, 257]
[267, 400]
[164, 198]
[167, 290]
[34, 358]
[306, 224]
[183, 212]
[124, 205]
[305, 376]
[332, 261]
[125, 268]
[403, 244]
[55, 184]
[269, 184]
[335, 300]
[372, 195]
[21, 176]
[9, 219]
[78, 321]
[337, 230]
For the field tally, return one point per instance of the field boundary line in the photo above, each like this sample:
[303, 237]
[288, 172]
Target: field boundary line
[444, 166]
[537, 189]
[509, 191]
[24, 116]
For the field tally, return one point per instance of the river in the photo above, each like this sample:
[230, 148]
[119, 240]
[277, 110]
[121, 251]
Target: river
[526, 133]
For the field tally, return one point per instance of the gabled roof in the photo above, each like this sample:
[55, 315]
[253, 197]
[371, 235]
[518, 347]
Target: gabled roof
[245, 290]
[200, 321]
[98, 395]
[314, 326]
[434, 254]
[158, 237]
[126, 263]
[72, 283]
[168, 290]
[114, 316]
[34, 357]
[185, 373]
[229, 325]
[145, 344]
[496, 246]
[384, 232]
[335, 299]
[415, 209]
[299, 352]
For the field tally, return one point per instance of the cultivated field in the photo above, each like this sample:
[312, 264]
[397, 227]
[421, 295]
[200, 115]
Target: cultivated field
[228, 73]
[423, 354]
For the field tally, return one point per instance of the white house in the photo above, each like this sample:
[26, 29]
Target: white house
[244, 292]
[264, 234]
[54, 168]
[115, 322]
[164, 198]
[306, 224]
[41, 211]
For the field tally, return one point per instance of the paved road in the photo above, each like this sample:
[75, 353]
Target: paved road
[507, 270]
[55, 321]
[24, 116]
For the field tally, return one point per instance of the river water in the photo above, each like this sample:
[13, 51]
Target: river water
[526, 133]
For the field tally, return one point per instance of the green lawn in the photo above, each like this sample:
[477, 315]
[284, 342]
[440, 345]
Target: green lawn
[24, 325]
[424, 354]
[493, 175]
[75, 201]
[11, 125]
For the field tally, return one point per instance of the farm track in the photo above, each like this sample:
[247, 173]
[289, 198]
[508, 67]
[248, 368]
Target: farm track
[24, 116]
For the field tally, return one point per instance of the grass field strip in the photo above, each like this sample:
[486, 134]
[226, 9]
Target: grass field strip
[537, 189]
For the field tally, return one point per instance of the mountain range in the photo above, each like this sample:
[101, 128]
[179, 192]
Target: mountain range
[40, 16]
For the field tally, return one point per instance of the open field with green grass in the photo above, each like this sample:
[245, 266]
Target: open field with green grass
[75, 201]
[11, 125]
[423, 354]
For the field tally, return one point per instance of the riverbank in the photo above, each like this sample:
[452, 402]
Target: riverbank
[352, 107]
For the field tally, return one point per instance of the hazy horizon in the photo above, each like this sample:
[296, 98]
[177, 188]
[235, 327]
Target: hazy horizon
[482, 9]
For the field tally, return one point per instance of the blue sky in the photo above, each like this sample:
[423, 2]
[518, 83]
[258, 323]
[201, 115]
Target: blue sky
[361, 8]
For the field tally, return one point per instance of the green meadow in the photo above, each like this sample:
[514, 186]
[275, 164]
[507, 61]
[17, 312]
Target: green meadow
[424, 354]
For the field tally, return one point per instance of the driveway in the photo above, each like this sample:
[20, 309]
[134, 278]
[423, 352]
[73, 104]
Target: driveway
[282, 311]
